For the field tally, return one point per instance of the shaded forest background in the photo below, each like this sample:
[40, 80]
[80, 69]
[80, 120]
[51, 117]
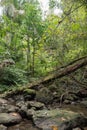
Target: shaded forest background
[32, 47]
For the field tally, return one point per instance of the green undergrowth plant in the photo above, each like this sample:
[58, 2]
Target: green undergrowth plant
[11, 76]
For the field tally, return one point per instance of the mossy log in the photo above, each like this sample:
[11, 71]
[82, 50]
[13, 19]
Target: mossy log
[63, 71]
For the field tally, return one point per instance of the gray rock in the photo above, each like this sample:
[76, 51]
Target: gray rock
[2, 127]
[24, 108]
[7, 108]
[30, 113]
[3, 101]
[63, 119]
[76, 129]
[37, 105]
[12, 108]
[44, 96]
[19, 98]
[8, 118]
[20, 103]
[84, 103]
[67, 101]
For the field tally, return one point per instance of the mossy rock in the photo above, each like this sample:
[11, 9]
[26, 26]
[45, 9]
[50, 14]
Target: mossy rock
[44, 95]
[30, 91]
[29, 94]
[62, 119]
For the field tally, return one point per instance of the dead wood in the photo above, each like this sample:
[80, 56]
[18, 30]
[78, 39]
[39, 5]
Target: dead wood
[63, 71]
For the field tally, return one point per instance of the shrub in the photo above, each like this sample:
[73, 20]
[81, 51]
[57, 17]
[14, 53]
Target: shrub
[12, 76]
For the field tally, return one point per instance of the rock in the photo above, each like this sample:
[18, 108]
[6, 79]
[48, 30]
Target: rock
[18, 98]
[78, 121]
[30, 113]
[3, 101]
[63, 119]
[66, 101]
[84, 103]
[44, 96]
[76, 129]
[23, 110]
[29, 94]
[2, 127]
[7, 108]
[11, 100]
[10, 118]
[35, 104]
[12, 108]
[20, 103]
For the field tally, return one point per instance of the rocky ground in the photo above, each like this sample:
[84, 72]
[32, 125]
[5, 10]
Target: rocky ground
[44, 109]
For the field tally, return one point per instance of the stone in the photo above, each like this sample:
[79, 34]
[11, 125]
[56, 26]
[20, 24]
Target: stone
[12, 108]
[2, 127]
[37, 105]
[84, 103]
[20, 103]
[23, 110]
[76, 129]
[44, 95]
[10, 118]
[66, 101]
[18, 98]
[29, 94]
[30, 113]
[7, 108]
[62, 119]
[3, 101]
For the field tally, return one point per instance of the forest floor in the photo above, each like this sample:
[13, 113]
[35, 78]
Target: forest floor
[62, 96]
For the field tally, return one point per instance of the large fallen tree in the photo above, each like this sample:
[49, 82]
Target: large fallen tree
[63, 71]
[66, 70]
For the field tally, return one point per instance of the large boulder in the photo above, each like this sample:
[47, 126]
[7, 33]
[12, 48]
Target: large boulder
[60, 119]
[9, 118]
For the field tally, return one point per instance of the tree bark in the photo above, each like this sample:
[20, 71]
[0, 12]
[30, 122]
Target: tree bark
[63, 71]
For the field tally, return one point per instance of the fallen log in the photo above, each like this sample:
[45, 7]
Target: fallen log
[65, 70]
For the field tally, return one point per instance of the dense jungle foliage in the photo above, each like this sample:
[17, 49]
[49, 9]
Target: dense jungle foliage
[33, 44]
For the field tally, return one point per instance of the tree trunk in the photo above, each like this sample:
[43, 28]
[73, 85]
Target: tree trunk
[65, 70]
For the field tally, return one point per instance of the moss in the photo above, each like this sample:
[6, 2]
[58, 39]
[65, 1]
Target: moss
[29, 91]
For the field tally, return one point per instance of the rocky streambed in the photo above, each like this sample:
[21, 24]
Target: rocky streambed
[24, 112]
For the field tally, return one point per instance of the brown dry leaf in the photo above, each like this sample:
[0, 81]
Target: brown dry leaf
[54, 128]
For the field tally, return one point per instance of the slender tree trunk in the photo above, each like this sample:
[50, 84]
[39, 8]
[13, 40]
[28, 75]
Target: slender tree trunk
[33, 61]
[28, 55]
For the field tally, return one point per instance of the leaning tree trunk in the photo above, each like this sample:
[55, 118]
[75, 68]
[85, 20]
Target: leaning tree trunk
[65, 70]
